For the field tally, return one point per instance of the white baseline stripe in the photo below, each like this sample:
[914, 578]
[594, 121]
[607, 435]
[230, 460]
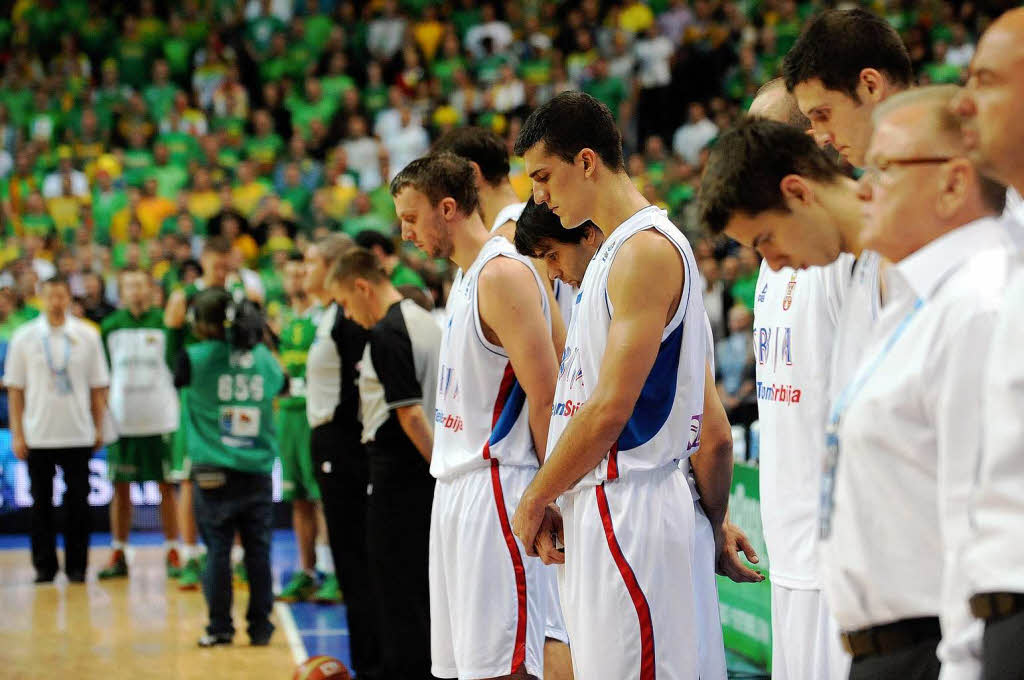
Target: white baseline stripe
[291, 632]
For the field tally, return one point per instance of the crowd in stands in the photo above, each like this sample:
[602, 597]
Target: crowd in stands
[129, 132]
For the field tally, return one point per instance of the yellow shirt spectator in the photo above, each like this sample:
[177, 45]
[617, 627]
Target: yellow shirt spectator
[636, 18]
[247, 197]
[204, 204]
[152, 211]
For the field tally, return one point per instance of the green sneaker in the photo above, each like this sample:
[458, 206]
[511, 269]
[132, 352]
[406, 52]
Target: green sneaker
[240, 577]
[329, 592]
[173, 563]
[118, 567]
[299, 589]
[190, 575]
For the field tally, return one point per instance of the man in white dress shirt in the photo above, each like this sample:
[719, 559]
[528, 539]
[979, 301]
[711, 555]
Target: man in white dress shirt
[990, 106]
[56, 376]
[904, 432]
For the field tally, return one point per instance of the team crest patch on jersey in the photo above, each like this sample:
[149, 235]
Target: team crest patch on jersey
[696, 423]
[152, 339]
[787, 301]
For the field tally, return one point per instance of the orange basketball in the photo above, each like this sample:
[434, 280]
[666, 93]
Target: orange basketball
[321, 668]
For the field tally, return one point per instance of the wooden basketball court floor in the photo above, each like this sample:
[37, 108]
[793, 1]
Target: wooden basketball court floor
[143, 626]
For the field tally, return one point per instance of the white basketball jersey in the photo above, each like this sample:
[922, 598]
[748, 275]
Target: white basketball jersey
[795, 318]
[856, 321]
[510, 213]
[565, 296]
[665, 425]
[480, 412]
[143, 400]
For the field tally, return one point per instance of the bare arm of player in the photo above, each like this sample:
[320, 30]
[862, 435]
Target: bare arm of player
[417, 429]
[98, 407]
[174, 313]
[646, 269]
[712, 469]
[16, 405]
[712, 464]
[510, 309]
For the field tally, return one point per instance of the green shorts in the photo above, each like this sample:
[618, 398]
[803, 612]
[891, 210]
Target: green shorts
[140, 459]
[297, 477]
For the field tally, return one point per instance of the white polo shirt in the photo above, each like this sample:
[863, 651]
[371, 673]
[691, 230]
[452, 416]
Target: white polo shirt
[909, 442]
[55, 418]
[994, 553]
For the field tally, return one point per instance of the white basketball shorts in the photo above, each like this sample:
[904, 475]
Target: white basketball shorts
[627, 585]
[710, 647]
[805, 637]
[488, 602]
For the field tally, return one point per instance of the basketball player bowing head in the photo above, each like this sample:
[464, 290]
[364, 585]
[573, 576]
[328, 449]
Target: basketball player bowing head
[496, 377]
[629, 402]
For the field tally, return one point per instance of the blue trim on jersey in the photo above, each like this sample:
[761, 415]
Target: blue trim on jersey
[509, 413]
[657, 396]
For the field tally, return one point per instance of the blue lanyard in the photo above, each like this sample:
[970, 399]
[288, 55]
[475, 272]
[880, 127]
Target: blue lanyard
[61, 378]
[828, 479]
[49, 355]
[855, 386]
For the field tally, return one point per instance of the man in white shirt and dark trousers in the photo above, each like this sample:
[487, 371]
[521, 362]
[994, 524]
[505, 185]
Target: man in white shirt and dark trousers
[904, 433]
[56, 377]
[990, 106]
[397, 385]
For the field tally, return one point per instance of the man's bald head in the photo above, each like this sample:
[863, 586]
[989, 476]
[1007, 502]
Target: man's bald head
[774, 102]
[990, 102]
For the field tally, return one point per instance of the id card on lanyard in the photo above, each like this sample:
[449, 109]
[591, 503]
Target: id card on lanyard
[60, 374]
[828, 479]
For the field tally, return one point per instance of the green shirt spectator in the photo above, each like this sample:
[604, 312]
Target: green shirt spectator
[96, 33]
[159, 98]
[337, 85]
[106, 203]
[264, 149]
[132, 59]
[261, 31]
[315, 106]
[942, 73]
[609, 90]
[403, 275]
[370, 221]
[318, 31]
[40, 224]
[137, 163]
[182, 147]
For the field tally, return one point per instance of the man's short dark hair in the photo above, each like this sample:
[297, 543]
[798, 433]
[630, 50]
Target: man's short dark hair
[838, 44]
[440, 176]
[370, 238]
[60, 280]
[538, 224]
[746, 167]
[569, 123]
[218, 244]
[480, 146]
[358, 263]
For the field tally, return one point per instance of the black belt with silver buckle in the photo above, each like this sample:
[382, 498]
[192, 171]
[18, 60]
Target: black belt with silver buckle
[891, 637]
[989, 606]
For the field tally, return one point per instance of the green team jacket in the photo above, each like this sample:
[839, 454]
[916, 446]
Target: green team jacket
[230, 406]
